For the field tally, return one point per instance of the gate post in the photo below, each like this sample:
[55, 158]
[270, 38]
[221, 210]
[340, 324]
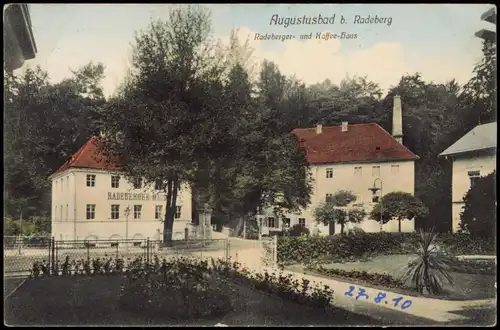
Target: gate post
[228, 246]
[275, 250]
[53, 254]
[147, 252]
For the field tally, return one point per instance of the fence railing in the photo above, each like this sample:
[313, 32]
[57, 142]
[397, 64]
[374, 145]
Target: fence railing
[19, 260]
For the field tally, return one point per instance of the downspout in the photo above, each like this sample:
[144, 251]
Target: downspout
[74, 207]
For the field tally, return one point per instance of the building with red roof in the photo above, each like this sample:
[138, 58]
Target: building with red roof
[353, 157]
[92, 200]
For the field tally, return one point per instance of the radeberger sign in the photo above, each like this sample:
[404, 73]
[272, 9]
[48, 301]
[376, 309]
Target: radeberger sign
[135, 197]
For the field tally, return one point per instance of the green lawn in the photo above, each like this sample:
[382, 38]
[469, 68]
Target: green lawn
[94, 301]
[466, 286]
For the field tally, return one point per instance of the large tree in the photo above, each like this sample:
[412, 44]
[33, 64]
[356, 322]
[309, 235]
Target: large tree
[479, 215]
[168, 123]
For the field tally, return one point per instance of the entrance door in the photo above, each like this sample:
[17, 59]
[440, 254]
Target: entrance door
[331, 227]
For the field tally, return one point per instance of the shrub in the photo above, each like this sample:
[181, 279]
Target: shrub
[482, 267]
[359, 245]
[298, 230]
[431, 268]
[465, 244]
[183, 286]
[479, 213]
[302, 249]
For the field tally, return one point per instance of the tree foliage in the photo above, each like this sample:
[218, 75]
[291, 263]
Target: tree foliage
[398, 206]
[479, 215]
[164, 125]
[44, 123]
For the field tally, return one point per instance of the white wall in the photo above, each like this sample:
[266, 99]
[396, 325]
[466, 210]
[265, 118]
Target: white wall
[75, 195]
[344, 178]
[485, 164]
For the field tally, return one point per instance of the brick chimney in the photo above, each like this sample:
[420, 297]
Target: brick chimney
[319, 129]
[397, 119]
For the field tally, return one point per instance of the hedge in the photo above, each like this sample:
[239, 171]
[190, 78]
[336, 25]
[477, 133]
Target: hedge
[304, 249]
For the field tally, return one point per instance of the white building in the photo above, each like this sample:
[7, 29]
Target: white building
[353, 157]
[91, 200]
[472, 156]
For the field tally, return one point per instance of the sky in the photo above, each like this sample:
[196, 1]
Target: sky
[436, 40]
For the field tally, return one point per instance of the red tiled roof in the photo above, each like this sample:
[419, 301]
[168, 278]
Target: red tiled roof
[361, 143]
[88, 156]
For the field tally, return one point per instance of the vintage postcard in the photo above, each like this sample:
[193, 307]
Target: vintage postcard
[250, 165]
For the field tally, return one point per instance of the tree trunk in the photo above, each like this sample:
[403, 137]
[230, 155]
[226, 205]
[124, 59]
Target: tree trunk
[170, 210]
[342, 228]
[195, 216]
[239, 227]
[399, 225]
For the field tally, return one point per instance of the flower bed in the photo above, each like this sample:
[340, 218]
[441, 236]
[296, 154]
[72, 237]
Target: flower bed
[370, 278]
[183, 282]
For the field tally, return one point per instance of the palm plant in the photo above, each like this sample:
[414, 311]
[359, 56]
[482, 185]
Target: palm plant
[431, 267]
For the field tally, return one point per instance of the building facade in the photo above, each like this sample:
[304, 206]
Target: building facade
[91, 199]
[472, 156]
[353, 157]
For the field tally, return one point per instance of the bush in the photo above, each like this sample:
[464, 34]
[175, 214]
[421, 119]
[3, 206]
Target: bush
[359, 245]
[464, 244]
[186, 287]
[431, 267]
[298, 230]
[479, 213]
[302, 249]
[481, 267]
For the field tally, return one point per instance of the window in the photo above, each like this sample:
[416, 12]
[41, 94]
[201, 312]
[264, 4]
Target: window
[90, 211]
[115, 212]
[286, 222]
[90, 180]
[60, 213]
[328, 197]
[357, 171]
[158, 212]
[394, 168]
[329, 173]
[271, 223]
[115, 181]
[158, 185]
[55, 213]
[67, 183]
[302, 222]
[66, 212]
[178, 212]
[473, 177]
[376, 171]
[62, 182]
[137, 211]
